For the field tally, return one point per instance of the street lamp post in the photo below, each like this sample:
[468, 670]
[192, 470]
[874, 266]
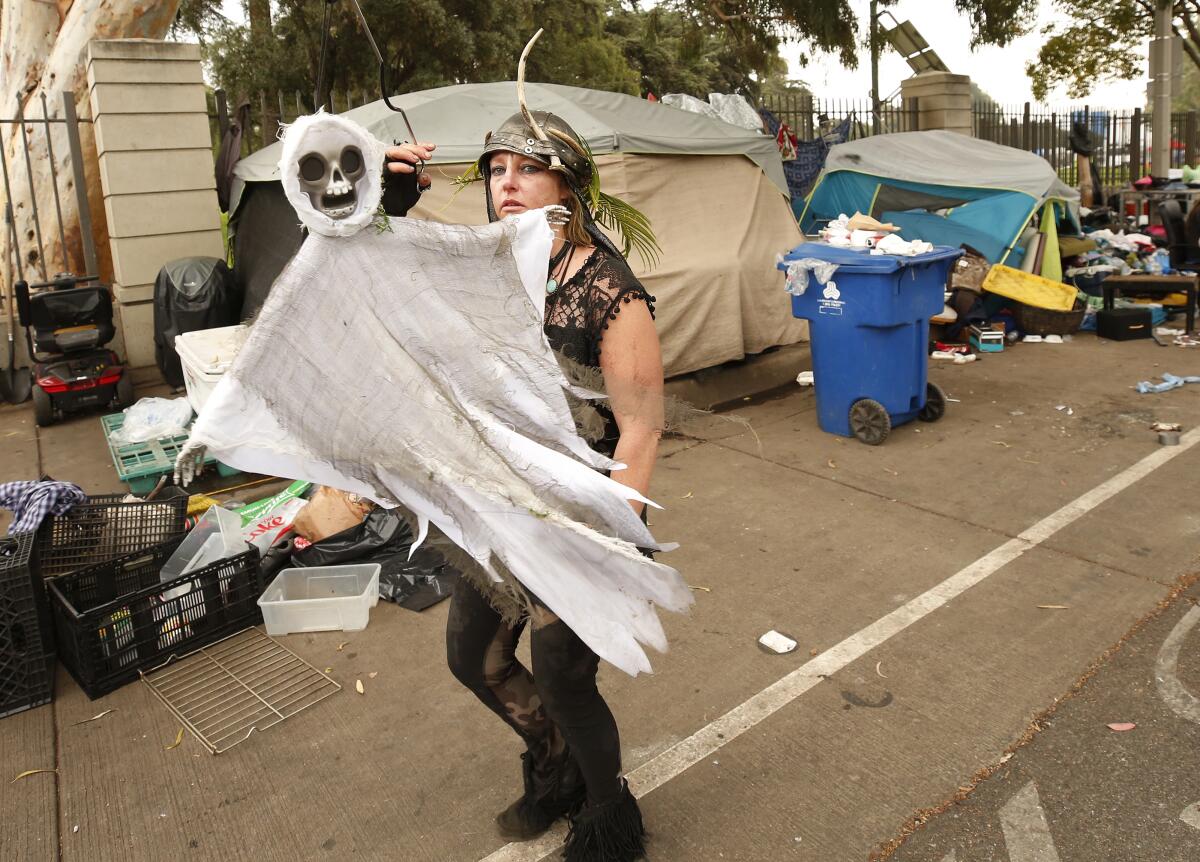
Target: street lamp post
[874, 37]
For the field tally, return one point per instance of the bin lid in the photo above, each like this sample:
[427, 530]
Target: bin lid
[211, 351]
[861, 260]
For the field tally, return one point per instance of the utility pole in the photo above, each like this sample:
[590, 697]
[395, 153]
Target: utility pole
[874, 33]
[1160, 75]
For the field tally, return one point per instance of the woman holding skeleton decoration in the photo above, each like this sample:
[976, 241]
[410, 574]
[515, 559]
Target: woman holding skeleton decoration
[599, 317]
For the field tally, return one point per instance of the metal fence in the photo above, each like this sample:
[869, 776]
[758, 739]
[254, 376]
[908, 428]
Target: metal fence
[268, 110]
[1122, 139]
[26, 248]
[810, 118]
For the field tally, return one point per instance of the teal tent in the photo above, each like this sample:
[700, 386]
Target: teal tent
[942, 187]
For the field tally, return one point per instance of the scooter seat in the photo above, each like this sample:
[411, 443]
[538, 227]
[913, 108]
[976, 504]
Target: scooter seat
[75, 338]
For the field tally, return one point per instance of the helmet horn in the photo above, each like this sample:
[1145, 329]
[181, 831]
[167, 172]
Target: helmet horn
[555, 162]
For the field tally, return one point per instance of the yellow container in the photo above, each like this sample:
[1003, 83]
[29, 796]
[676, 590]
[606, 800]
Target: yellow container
[1029, 288]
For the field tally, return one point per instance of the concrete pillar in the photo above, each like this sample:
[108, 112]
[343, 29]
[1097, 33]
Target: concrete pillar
[150, 118]
[943, 100]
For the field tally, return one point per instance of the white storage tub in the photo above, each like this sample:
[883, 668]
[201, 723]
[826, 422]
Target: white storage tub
[205, 355]
[321, 599]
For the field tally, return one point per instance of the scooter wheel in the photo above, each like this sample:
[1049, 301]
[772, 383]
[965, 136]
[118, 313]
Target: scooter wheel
[870, 422]
[43, 407]
[125, 396]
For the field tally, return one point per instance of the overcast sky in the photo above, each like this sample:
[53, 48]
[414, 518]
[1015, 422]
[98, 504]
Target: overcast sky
[999, 71]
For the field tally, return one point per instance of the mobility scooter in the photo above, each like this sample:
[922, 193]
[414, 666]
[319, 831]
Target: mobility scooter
[68, 321]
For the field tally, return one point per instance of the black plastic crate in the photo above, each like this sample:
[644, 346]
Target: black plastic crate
[105, 528]
[117, 618]
[26, 641]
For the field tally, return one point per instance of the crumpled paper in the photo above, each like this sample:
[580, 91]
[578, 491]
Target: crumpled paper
[893, 245]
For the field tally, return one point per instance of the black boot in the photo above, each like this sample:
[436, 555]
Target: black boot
[552, 790]
[609, 832]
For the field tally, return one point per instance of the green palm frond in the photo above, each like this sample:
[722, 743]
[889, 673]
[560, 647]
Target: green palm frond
[636, 233]
[614, 214]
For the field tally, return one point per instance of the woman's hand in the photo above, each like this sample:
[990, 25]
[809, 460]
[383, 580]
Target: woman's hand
[404, 177]
[404, 158]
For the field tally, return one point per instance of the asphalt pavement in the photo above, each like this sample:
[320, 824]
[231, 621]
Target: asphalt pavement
[946, 590]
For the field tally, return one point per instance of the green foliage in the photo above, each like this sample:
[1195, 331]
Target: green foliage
[1188, 97]
[687, 46]
[1100, 44]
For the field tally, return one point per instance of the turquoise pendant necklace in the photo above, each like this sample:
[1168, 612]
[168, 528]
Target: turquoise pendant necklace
[560, 262]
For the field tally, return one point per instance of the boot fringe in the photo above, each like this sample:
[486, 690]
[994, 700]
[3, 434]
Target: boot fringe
[610, 832]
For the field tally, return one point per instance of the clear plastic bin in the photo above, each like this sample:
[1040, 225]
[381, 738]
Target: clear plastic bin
[216, 536]
[321, 599]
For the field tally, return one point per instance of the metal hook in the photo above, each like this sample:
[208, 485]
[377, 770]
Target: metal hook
[383, 88]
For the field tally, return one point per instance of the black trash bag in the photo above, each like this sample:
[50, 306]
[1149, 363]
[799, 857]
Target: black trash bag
[385, 538]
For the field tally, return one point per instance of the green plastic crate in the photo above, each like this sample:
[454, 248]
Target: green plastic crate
[139, 465]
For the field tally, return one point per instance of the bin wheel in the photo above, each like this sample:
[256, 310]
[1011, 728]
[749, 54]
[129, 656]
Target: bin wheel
[935, 404]
[870, 422]
[43, 407]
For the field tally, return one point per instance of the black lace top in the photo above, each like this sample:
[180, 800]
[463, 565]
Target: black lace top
[579, 311]
[578, 314]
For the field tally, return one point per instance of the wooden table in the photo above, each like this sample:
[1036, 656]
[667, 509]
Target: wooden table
[1154, 284]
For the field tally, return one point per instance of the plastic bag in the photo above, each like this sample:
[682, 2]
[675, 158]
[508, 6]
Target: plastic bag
[152, 418]
[385, 538]
[798, 272]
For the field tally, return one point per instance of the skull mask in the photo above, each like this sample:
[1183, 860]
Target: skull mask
[332, 173]
[328, 178]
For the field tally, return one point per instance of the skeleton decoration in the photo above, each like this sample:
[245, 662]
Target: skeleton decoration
[459, 412]
[332, 171]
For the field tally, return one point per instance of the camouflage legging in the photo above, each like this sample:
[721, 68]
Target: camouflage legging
[558, 704]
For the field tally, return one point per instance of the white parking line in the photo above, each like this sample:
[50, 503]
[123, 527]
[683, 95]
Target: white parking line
[1183, 702]
[1026, 833]
[688, 752]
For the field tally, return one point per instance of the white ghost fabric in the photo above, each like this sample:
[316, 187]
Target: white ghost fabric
[328, 136]
[407, 363]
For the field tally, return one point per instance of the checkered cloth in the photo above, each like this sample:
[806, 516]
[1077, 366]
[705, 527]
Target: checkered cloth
[31, 502]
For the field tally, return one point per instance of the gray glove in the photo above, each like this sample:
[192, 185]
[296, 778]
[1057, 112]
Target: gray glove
[556, 215]
[190, 463]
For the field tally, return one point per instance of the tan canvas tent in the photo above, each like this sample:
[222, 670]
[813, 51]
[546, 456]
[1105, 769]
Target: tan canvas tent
[714, 193]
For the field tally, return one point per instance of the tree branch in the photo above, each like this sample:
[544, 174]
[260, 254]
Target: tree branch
[1193, 35]
[715, 6]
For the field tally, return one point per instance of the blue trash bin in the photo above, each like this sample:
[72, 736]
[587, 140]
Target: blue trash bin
[869, 333]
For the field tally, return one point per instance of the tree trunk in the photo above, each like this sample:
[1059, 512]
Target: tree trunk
[53, 70]
[27, 32]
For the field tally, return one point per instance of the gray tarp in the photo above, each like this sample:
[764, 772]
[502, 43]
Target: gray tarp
[714, 193]
[951, 159]
[456, 118]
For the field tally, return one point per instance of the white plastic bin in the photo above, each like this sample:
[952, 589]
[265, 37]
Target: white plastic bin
[205, 355]
[321, 599]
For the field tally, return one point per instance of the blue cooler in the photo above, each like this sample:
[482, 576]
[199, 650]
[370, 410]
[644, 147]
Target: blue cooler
[869, 332]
